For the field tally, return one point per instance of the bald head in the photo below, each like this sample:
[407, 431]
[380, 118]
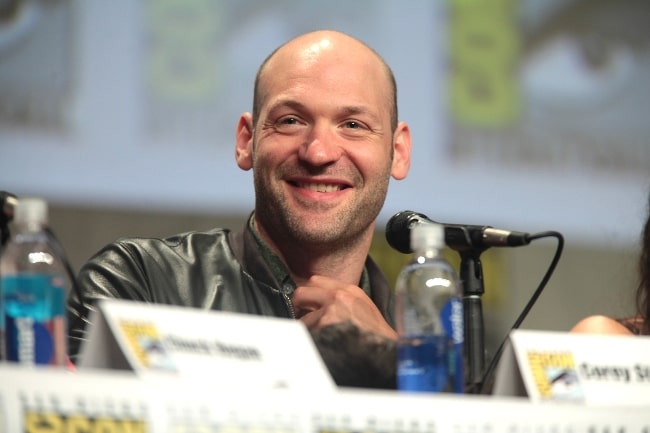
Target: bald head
[323, 46]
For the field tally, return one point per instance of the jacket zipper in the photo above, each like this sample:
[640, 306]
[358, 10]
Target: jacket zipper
[285, 290]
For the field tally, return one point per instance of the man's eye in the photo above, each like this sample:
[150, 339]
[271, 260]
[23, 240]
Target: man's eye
[352, 124]
[288, 121]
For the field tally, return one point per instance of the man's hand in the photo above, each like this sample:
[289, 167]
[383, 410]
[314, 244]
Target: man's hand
[324, 301]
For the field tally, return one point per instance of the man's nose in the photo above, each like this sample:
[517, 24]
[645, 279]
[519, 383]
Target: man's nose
[321, 147]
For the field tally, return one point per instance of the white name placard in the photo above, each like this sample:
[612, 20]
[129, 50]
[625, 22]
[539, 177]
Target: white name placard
[52, 400]
[582, 368]
[222, 348]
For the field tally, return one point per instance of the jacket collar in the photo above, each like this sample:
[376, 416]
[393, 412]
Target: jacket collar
[263, 265]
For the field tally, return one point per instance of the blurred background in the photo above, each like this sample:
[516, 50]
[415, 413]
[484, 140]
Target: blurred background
[526, 115]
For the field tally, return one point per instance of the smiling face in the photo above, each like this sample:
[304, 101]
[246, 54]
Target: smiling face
[322, 150]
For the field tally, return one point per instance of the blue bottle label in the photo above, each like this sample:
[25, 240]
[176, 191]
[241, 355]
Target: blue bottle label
[34, 319]
[451, 318]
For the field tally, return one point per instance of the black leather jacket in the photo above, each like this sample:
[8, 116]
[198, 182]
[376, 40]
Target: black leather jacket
[216, 269]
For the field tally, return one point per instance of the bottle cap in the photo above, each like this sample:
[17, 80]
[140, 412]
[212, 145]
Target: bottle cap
[31, 210]
[427, 235]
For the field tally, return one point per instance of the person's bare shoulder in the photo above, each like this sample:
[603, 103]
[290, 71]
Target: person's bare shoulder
[599, 324]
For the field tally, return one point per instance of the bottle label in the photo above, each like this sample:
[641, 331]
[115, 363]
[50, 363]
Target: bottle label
[34, 319]
[452, 320]
[451, 317]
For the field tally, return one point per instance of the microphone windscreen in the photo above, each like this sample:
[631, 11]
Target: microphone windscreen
[398, 231]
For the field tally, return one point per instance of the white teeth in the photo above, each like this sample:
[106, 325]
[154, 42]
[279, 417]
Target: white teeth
[321, 187]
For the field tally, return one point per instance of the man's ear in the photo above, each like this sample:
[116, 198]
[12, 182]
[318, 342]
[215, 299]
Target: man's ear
[244, 142]
[401, 151]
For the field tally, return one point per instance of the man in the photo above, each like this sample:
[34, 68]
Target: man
[323, 141]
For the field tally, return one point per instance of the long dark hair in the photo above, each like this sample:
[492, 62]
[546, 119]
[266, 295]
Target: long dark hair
[643, 291]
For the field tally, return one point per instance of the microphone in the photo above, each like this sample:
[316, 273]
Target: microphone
[457, 236]
[8, 203]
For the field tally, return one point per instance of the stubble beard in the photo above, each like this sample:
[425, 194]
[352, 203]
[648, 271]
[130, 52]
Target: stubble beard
[287, 226]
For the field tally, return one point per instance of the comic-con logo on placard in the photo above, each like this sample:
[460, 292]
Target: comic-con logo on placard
[145, 342]
[555, 375]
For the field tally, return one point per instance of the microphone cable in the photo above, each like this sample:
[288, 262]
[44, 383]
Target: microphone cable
[489, 372]
[74, 287]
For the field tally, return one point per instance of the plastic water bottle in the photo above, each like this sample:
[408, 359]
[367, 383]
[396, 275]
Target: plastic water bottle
[429, 314]
[34, 285]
